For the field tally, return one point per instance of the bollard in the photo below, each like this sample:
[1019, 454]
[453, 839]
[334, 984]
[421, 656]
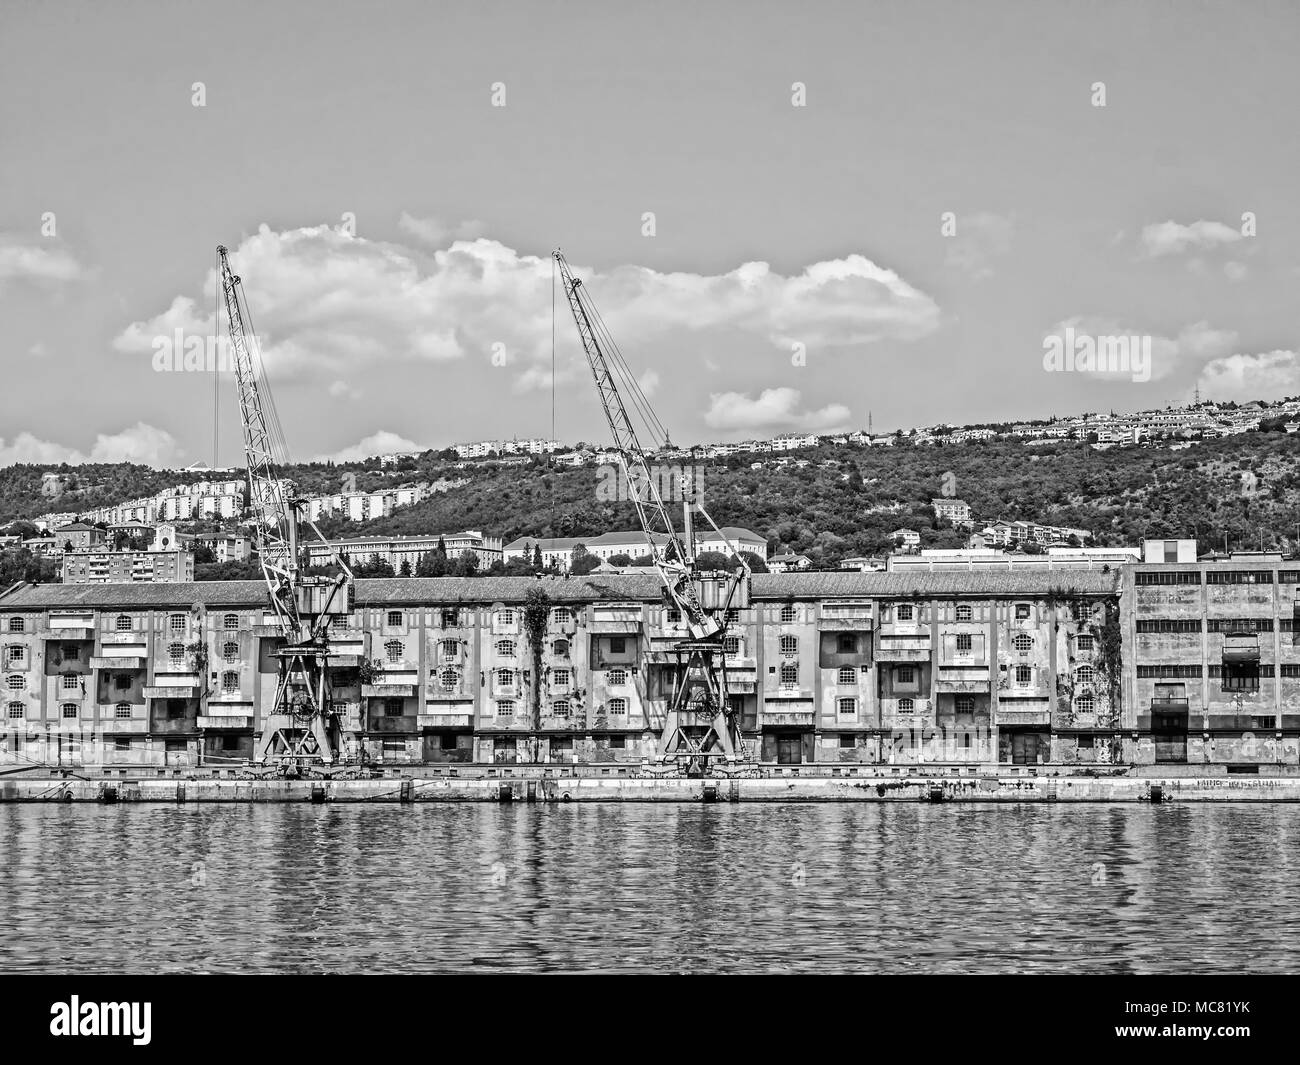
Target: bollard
[318, 793]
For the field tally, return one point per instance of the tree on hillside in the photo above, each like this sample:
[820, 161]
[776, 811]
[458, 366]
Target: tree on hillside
[582, 561]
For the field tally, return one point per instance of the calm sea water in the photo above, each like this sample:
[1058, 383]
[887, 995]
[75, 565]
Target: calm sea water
[630, 888]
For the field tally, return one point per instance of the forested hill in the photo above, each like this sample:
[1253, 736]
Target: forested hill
[844, 501]
[848, 501]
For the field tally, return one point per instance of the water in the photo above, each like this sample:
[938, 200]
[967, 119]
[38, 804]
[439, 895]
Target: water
[630, 888]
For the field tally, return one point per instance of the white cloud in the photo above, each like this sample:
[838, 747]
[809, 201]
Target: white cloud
[38, 350]
[328, 305]
[1271, 374]
[343, 390]
[648, 382]
[382, 442]
[141, 443]
[1194, 343]
[1234, 270]
[1172, 238]
[775, 408]
[438, 233]
[980, 238]
[48, 263]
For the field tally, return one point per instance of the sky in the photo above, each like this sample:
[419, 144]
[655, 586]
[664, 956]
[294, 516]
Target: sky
[793, 217]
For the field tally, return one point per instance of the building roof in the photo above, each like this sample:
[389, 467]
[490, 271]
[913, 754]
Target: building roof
[77, 526]
[624, 586]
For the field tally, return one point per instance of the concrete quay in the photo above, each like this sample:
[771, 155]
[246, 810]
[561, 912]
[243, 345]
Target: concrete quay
[989, 788]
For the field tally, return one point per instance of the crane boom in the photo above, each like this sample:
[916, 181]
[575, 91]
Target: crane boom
[700, 723]
[671, 558]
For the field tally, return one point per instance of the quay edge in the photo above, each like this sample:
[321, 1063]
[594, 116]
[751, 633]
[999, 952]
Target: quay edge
[968, 790]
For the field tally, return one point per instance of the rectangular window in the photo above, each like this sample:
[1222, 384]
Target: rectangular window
[906, 675]
[15, 654]
[122, 682]
[71, 682]
[560, 678]
[1240, 625]
[965, 704]
[1178, 577]
[617, 743]
[963, 643]
[617, 645]
[394, 617]
[1169, 625]
[847, 707]
[847, 675]
[846, 644]
[848, 741]
[1022, 611]
[1262, 576]
[1189, 672]
[1024, 676]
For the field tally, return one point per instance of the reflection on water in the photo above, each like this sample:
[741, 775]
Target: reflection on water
[682, 888]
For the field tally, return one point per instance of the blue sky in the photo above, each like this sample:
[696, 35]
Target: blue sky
[778, 229]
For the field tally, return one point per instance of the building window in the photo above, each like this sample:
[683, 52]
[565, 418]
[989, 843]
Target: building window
[15, 683]
[563, 615]
[506, 678]
[393, 649]
[1084, 642]
[71, 682]
[789, 645]
[450, 648]
[506, 617]
[506, 648]
[230, 622]
[1083, 675]
[1022, 611]
[177, 623]
[448, 680]
[617, 707]
[394, 617]
[122, 712]
[616, 677]
[964, 612]
[176, 652]
[731, 646]
[906, 612]
[560, 647]
[848, 675]
[123, 623]
[16, 711]
[505, 708]
[617, 743]
[121, 681]
[674, 616]
[15, 654]
[69, 651]
[847, 707]
[1083, 703]
[229, 681]
[450, 619]
[787, 614]
[1024, 676]
[617, 645]
[964, 643]
[230, 651]
[906, 674]
[906, 706]
[848, 740]
[392, 708]
[560, 708]
[17, 625]
[789, 676]
[1022, 642]
[965, 704]
[846, 643]
[69, 710]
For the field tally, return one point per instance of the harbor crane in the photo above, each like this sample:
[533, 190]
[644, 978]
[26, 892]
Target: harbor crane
[303, 732]
[701, 725]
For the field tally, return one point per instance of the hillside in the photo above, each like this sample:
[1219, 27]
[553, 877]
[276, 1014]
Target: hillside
[846, 501]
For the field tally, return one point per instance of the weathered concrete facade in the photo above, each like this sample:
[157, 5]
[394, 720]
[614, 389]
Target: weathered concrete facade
[835, 669]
